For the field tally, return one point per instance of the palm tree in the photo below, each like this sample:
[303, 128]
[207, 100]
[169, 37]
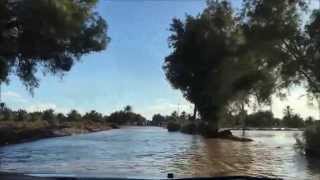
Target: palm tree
[128, 108]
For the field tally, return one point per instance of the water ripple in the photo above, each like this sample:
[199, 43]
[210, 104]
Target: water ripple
[154, 152]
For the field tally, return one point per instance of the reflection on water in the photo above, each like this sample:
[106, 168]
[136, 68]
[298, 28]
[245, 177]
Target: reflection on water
[153, 152]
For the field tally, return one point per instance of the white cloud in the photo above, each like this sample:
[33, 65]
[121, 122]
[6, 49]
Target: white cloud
[41, 107]
[298, 102]
[166, 107]
[16, 101]
[13, 96]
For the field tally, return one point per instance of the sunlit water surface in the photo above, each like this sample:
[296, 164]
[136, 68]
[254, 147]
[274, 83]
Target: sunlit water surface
[154, 152]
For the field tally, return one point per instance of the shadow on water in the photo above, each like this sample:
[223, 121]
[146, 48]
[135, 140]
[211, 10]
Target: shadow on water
[313, 165]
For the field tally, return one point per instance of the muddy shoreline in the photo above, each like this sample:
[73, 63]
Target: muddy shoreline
[14, 135]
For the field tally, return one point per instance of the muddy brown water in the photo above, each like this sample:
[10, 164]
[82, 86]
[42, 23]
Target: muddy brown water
[151, 152]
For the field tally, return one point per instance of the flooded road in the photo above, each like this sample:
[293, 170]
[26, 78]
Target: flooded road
[153, 152]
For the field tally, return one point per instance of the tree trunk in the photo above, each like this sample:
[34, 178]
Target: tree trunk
[194, 112]
[211, 128]
[243, 118]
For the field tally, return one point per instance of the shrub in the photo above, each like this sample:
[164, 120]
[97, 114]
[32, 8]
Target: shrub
[173, 126]
[189, 128]
[74, 116]
[312, 142]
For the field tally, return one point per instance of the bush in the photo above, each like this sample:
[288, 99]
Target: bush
[74, 116]
[190, 128]
[312, 142]
[173, 126]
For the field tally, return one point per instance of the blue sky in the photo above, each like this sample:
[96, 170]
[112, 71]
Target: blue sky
[129, 71]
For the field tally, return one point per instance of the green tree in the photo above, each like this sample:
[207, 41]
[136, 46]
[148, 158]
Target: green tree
[183, 116]
[158, 120]
[93, 116]
[21, 115]
[311, 137]
[61, 117]
[262, 119]
[49, 34]
[74, 116]
[174, 115]
[48, 115]
[288, 111]
[127, 117]
[212, 65]
[4, 70]
[117, 117]
[291, 119]
[6, 114]
[35, 116]
[309, 121]
[128, 109]
[290, 43]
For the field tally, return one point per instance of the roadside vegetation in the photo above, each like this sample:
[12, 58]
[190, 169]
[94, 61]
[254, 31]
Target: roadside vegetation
[256, 120]
[309, 141]
[20, 125]
[311, 138]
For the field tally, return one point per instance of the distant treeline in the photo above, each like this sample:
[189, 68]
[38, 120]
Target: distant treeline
[256, 119]
[121, 117]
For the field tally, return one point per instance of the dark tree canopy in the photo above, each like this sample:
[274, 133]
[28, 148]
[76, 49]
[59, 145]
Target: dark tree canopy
[201, 45]
[223, 57]
[289, 43]
[211, 63]
[49, 34]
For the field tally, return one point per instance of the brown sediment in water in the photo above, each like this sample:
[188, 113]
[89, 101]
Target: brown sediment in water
[227, 134]
[205, 131]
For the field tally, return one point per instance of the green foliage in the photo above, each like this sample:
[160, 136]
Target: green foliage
[128, 108]
[93, 116]
[292, 120]
[190, 128]
[262, 119]
[74, 116]
[35, 116]
[158, 120]
[126, 118]
[222, 59]
[212, 63]
[61, 117]
[21, 115]
[48, 115]
[309, 121]
[289, 43]
[311, 136]
[4, 70]
[6, 114]
[200, 46]
[48, 34]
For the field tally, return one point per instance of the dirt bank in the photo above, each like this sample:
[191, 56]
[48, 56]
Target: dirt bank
[18, 132]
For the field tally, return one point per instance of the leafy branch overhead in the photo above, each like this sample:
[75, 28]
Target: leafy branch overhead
[49, 34]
